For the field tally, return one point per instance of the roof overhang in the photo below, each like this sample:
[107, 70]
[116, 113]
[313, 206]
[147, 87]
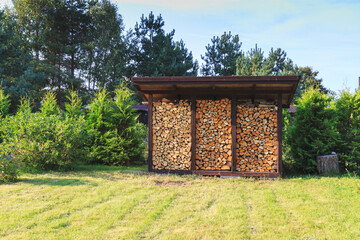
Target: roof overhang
[255, 88]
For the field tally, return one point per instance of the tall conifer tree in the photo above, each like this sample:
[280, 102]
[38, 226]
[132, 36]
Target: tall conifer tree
[158, 54]
[17, 77]
[220, 57]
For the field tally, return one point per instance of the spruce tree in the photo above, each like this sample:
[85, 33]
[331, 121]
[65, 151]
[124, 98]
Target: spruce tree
[313, 131]
[17, 76]
[348, 127]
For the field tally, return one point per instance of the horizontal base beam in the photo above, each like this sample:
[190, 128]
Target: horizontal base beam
[240, 174]
[221, 173]
[180, 172]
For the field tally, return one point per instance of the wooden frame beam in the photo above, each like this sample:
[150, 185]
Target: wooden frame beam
[240, 174]
[217, 79]
[221, 173]
[215, 91]
[193, 133]
[180, 172]
[233, 133]
[150, 131]
[279, 135]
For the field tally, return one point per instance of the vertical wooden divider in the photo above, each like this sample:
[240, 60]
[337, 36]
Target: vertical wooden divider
[233, 133]
[193, 133]
[279, 134]
[150, 131]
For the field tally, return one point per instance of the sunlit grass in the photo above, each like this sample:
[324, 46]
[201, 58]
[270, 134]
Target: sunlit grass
[97, 202]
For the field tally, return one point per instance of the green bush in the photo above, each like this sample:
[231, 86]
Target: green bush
[348, 127]
[4, 103]
[288, 160]
[44, 140]
[312, 132]
[116, 137]
[73, 107]
[49, 106]
[10, 165]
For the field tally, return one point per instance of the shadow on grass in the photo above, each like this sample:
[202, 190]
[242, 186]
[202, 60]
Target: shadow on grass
[112, 173]
[54, 181]
[142, 170]
[317, 176]
[101, 168]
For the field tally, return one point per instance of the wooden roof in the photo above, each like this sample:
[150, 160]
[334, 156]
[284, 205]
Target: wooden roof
[256, 88]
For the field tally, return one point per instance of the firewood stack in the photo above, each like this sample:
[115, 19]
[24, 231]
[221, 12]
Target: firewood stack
[256, 137]
[213, 134]
[172, 135]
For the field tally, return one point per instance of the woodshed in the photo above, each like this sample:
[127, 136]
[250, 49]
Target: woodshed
[216, 125]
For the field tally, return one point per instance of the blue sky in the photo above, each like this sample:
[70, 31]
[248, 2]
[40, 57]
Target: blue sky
[323, 34]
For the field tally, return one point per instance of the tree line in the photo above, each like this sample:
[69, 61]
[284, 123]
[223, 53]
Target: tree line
[82, 45]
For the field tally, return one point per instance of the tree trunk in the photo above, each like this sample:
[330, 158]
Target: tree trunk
[328, 163]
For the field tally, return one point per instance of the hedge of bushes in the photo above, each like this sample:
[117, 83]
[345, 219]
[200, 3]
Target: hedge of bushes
[53, 139]
[323, 123]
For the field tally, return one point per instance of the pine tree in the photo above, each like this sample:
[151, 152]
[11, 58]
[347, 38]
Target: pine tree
[30, 24]
[107, 51]
[278, 61]
[220, 57]
[78, 22]
[158, 54]
[254, 63]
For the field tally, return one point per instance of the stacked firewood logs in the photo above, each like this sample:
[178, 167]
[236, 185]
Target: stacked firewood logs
[256, 137]
[172, 135]
[213, 134]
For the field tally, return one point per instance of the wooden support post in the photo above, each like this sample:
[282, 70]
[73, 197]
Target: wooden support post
[233, 133]
[150, 137]
[253, 93]
[279, 134]
[193, 134]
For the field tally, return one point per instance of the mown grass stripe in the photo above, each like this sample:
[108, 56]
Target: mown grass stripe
[142, 228]
[113, 205]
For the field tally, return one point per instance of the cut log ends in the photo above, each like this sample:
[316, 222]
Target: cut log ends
[256, 136]
[256, 139]
[213, 135]
[172, 135]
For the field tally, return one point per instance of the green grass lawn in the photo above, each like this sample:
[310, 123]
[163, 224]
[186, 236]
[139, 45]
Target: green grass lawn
[128, 203]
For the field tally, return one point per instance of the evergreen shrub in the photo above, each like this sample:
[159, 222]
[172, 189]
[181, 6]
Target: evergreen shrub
[348, 127]
[4, 104]
[116, 137]
[46, 139]
[313, 131]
